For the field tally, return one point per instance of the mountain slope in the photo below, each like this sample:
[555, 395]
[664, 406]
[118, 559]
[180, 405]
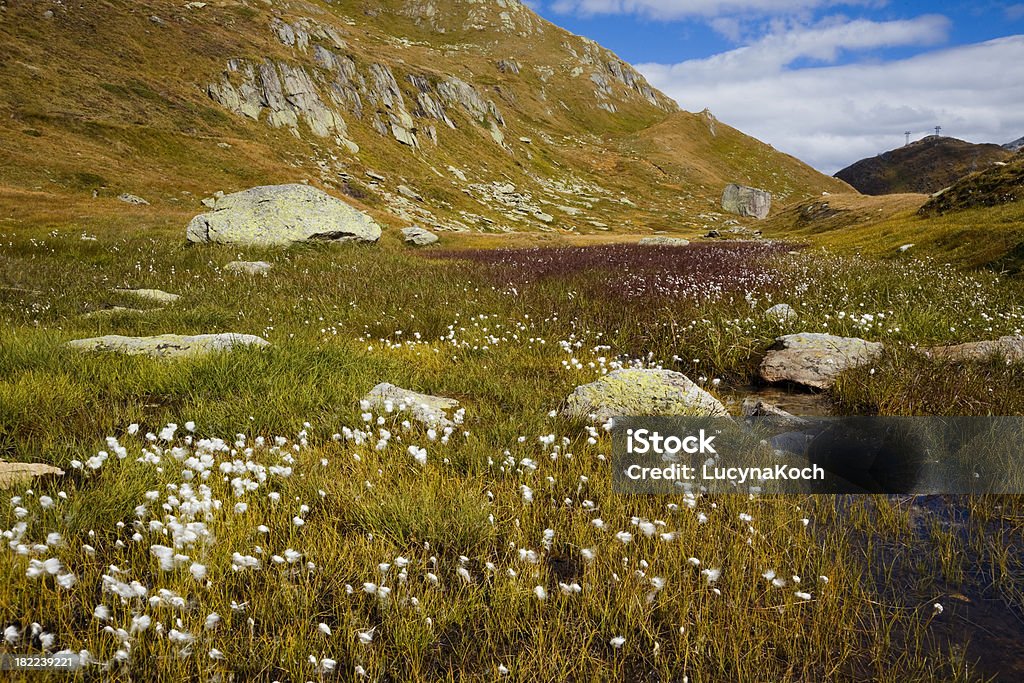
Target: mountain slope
[925, 166]
[459, 115]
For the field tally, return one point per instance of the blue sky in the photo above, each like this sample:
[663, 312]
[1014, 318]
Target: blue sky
[827, 81]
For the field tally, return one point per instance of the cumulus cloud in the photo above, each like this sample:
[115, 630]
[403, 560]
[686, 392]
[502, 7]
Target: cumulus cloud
[832, 115]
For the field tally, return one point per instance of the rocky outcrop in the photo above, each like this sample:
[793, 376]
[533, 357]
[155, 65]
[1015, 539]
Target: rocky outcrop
[168, 345]
[418, 236]
[1009, 349]
[663, 242]
[431, 411]
[746, 201]
[815, 360]
[278, 215]
[634, 392]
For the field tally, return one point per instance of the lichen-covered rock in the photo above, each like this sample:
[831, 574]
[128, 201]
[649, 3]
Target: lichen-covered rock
[157, 295]
[12, 473]
[634, 392]
[815, 360]
[663, 242]
[432, 411]
[249, 267]
[132, 199]
[746, 201]
[168, 345]
[277, 215]
[419, 236]
[1010, 349]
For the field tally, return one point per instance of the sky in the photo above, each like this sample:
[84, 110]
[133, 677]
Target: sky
[827, 81]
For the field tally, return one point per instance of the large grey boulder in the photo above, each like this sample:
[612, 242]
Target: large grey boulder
[429, 410]
[419, 236]
[746, 201]
[663, 242]
[277, 215]
[168, 345]
[1010, 349]
[635, 392]
[815, 360]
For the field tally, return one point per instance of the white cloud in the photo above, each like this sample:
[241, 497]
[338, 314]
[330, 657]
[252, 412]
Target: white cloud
[678, 9]
[830, 116]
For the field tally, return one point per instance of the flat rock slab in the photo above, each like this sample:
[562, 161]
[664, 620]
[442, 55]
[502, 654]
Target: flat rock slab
[279, 215]
[168, 345]
[157, 295]
[429, 410]
[630, 392]
[419, 236]
[12, 473]
[249, 267]
[1010, 349]
[815, 360]
[115, 310]
[663, 242]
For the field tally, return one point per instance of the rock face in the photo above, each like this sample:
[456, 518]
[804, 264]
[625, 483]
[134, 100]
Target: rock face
[157, 295]
[419, 236]
[432, 411]
[815, 360]
[781, 312]
[663, 242]
[168, 345]
[1010, 349]
[249, 267]
[12, 473]
[641, 393]
[746, 201]
[277, 215]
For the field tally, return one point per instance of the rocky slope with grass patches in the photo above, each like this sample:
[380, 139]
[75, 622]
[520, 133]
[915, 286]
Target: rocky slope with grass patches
[453, 115]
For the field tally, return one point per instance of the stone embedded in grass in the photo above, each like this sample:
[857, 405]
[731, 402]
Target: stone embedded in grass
[781, 313]
[249, 267]
[429, 410]
[157, 295]
[114, 310]
[664, 242]
[19, 472]
[278, 215]
[418, 236]
[1010, 349]
[168, 345]
[132, 199]
[815, 360]
[635, 392]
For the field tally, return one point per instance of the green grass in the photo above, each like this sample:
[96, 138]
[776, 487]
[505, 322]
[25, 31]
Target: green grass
[333, 315]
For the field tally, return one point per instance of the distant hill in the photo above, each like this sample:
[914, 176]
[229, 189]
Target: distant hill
[1014, 146]
[925, 166]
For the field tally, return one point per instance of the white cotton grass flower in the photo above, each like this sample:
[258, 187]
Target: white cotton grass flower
[216, 654]
[366, 637]
[102, 612]
[937, 609]
[540, 592]
[464, 575]
[12, 635]
[711, 575]
[198, 571]
[212, 621]
[802, 595]
[617, 642]
[624, 537]
[324, 629]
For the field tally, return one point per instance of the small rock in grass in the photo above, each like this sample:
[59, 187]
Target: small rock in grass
[419, 236]
[636, 392]
[168, 345]
[157, 295]
[12, 473]
[781, 312]
[815, 360]
[132, 199]
[663, 242]
[1010, 349]
[429, 410]
[249, 267]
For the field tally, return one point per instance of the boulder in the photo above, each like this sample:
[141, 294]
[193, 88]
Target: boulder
[663, 242]
[781, 313]
[168, 345]
[419, 236]
[1010, 349]
[815, 360]
[12, 473]
[634, 392]
[157, 295]
[249, 267]
[432, 411]
[277, 215]
[746, 201]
